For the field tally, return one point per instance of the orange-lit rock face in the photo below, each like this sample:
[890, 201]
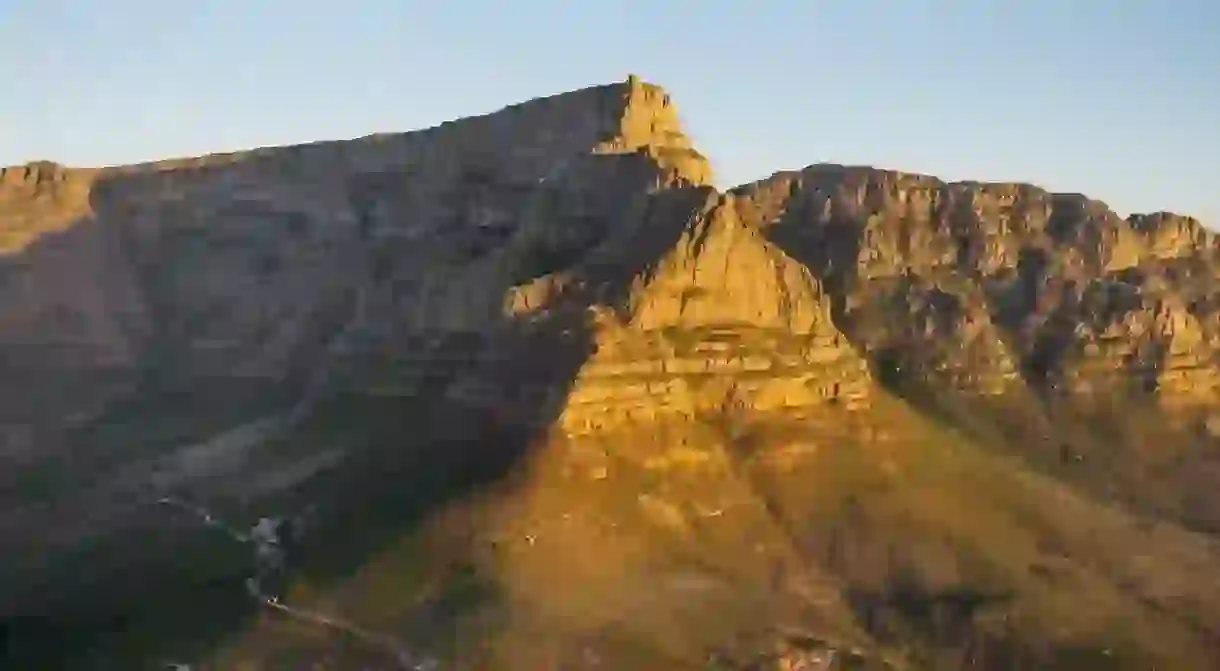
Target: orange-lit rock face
[776, 421]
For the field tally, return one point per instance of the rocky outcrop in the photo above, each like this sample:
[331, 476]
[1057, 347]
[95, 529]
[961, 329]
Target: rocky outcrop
[1002, 277]
[723, 317]
[742, 392]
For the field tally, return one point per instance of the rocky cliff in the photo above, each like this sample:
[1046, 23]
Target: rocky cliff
[557, 402]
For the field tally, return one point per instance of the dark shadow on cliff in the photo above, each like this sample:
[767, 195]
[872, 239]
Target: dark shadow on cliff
[86, 550]
[154, 586]
[439, 448]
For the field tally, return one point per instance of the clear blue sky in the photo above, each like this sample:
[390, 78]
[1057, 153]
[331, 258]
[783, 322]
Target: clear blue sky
[1119, 99]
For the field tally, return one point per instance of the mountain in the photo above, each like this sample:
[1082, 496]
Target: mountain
[540, 396]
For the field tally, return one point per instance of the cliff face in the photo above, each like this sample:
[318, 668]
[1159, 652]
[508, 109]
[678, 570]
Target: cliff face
[1056, 281]
[656, 424]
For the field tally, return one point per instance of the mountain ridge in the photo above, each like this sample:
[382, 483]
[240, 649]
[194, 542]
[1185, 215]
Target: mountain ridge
[651, 422]
[30, 171]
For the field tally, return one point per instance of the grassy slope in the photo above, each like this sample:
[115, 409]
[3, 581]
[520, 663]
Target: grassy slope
[666, 545]
[882, 530]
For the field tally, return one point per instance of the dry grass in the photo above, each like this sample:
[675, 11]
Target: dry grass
[659, 545]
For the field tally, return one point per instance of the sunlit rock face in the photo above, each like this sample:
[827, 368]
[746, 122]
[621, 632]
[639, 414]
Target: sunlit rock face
[998, 278]
[554, 401]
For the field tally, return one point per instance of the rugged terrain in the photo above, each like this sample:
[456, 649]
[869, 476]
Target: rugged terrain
[549, 399]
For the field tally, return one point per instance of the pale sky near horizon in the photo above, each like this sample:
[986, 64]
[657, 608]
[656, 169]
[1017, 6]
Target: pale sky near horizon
[1118, 99]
